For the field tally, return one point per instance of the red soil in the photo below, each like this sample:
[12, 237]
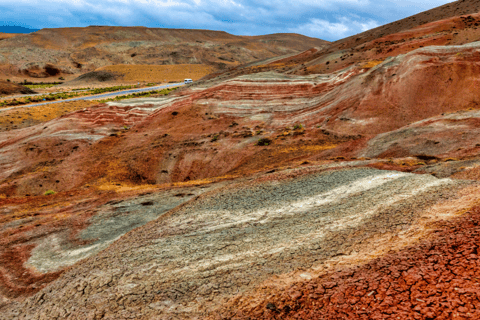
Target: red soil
[434, 279]
[40, 217]
[18, 280]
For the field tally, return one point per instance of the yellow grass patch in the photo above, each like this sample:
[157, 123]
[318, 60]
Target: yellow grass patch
[107, 185]
[8, 35]
[308, 148]
[371, 64]
[23, 117]
[160, 73]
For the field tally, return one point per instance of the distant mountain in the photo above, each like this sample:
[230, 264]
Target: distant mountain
[16, 29]
[52, 52]
[455, 23]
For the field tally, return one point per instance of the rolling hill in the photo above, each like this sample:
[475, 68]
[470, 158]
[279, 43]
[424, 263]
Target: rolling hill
[74, 51]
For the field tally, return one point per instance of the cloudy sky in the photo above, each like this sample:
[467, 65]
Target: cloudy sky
[325, 19]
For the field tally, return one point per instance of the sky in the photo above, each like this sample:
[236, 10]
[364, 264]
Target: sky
[325, 19]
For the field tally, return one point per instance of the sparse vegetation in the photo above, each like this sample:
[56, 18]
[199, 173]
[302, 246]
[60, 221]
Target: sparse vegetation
[49, 192]
[110, 89]
[298, 126]
[28, 83]
[163, 92]
[264, 142]
[40, 86]
[68, 95]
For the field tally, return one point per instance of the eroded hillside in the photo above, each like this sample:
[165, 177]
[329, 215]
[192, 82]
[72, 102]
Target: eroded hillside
[284, 189]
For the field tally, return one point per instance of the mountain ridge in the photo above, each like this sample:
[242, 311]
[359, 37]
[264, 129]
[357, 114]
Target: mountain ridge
[73, 51]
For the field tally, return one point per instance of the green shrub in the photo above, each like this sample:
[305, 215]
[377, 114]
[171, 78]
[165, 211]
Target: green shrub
[49, 192]
[298, 126]
[264, 142]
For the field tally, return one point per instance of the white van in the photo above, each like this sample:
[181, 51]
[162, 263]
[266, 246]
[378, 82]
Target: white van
[187, 81]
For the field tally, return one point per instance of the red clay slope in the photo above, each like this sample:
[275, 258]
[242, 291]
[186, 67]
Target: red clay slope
[213, 131]
[434, 279]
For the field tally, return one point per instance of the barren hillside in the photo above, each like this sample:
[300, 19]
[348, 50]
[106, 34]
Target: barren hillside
[286, 188]
[57, 52]
[455, 23]
[4, 36]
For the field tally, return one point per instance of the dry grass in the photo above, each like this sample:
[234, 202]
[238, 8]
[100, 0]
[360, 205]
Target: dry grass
[371, 64]
[160, 73]
[24, 117]
[311, 148]
[8, 35]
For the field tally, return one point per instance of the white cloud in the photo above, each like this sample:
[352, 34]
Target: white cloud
[327, 19]
[342, 27]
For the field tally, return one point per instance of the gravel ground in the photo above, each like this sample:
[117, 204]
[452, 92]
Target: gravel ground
[194, 258]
